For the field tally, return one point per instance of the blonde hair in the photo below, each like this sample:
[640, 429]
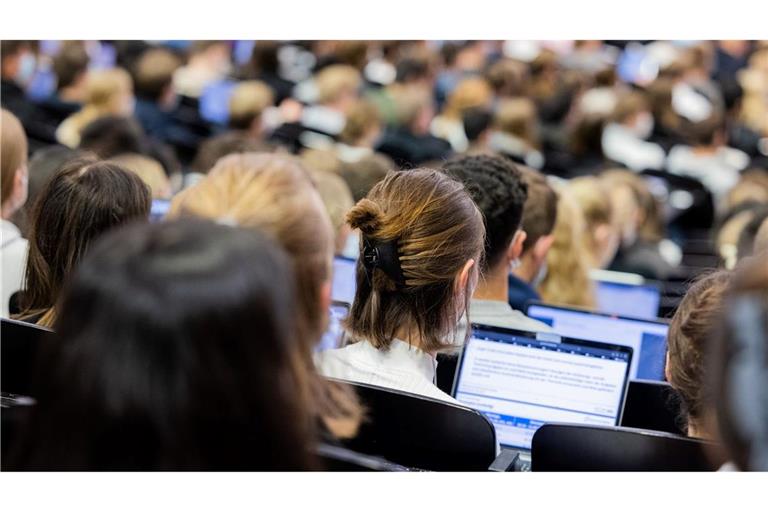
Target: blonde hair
[593, 197]
[335, 80]
[434, 228]
[273, 192]
[469, 93]
[362, 117]
[517, 117]
[104, 90]
[337, 199]
[567, 280]
[149, 170]
[248, 101]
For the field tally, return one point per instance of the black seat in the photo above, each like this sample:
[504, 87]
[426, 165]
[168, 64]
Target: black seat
[423, 433]
[21, 344]
[652, 405]
[568, 447]
[337, 458]
[446, 372]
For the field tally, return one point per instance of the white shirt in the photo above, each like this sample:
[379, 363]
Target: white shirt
[621, 145]
[400, 367]
[499, 313]
[719, 171]
[13, 253]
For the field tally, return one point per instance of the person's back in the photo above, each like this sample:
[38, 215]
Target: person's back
[13, 246]
[499, 191]
[422, 237]
[171, 340]
[83, 200]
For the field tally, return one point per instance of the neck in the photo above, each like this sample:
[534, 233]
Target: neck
[71, 94]
[696, 430]
[410, 335]
[704, 150]
[493, 285]
[527, 269]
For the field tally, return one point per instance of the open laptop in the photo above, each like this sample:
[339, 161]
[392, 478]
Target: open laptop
[521, 380]
[648, 338]
[633, 300]
[334, 335]
[344, 284]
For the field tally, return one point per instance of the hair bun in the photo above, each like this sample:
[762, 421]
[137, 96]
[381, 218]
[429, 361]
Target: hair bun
[365, 216]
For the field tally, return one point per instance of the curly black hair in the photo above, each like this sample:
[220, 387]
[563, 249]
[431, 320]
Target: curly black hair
[497, 187]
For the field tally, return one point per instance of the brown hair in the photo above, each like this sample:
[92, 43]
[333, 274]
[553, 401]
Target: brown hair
[70, 63]
[154, 72]
[362, 116]
[436, 228]
[335, 80]
[593, 197]
[13, 143]
[508, 77]
[469, 93]
[83, 200]
[687, 340]
[540, 210]
[627, 105]
[517, 116]
[362, 175]
[275, 193]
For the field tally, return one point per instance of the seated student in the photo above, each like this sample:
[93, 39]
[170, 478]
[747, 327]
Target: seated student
[422, 237]
[516, 133]
[602, 234]
[217, 147]
[84, 199]
[149, 170]
[408, 142]
[500, 192]
[13, 247]
[362, 130]
[338, 201]
[208, 61]
[624, 136]
[273, 192]
[477, 128]
[247, 105]
[155, 97]
[70, 65]
[362, 175]
[171, 339]
[738, 368]
[539, 215]
[108, 92]
[688, 340]
[568, 259]
[472, 92]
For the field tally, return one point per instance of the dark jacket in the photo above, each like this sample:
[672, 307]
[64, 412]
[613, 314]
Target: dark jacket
[520, 293]
[410, 150]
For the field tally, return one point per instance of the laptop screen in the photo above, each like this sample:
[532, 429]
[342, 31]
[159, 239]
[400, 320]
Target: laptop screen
[334, 335]
[521, 380]
[637, 301]
[648, 339]
[343, 287]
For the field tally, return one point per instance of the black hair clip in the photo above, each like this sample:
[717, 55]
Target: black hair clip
[384, 256]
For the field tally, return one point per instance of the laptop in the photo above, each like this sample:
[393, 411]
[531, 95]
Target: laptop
[344, 284]
[334, 335]
[648, 338]
[633, 300]
[21, 344]
[521, 380]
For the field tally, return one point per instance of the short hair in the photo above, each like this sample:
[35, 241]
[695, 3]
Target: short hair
[84, 199]
[334, 80]
[702, 133]
[153, 72]
[499, 191]
[687, 340]
[476, 121]
[411, 69]
[361, 176]
[508, 77]
[71, 62]
[110, 136]
[362, 116]
[103, 86]
[248, 101]
[219, 146]
[436, 229]
[517, 116]
[14, 151]
[409, 102]
[149, 170]
[540, 210]
[629, 104]
[471, 92]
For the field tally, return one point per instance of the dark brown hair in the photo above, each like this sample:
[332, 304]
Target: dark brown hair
[436, 229]
[70, 63]
[540, 210]
[84, 199]
[687, 340]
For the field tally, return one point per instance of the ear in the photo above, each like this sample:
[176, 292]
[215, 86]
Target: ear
[542, 247]
[515, 248]
[463, 278]
[20, 186]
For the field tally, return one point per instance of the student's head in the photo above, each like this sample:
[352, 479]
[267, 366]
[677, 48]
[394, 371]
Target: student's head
[635, 208]
[499, 191]
[14, 164]
[413, 70]
[508, 77]
[110, 136]
[338, 201]
[749, 235]
[517, 117]
[338, 85]
[70, 65]
[707, 132]
[149, 170]
[422, 239]
[110, 91]
[219, 146]
[568, 259]
[363, 125]
[469, 93]
[18, 61]
[477, 123]
[738, 368]
[538, 222]
[687, 340]
[362, 175]
[176, 351]
[634, 112]
[82, 201]
[153, 75]
[248, 101]
[602, 234]
[274, 193]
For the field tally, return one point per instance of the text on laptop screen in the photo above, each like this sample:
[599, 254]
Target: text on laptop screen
[638, 301]
[521, 383]
[343, 287]
[647, 339]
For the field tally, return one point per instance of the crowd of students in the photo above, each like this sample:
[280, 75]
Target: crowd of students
[467, 178]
